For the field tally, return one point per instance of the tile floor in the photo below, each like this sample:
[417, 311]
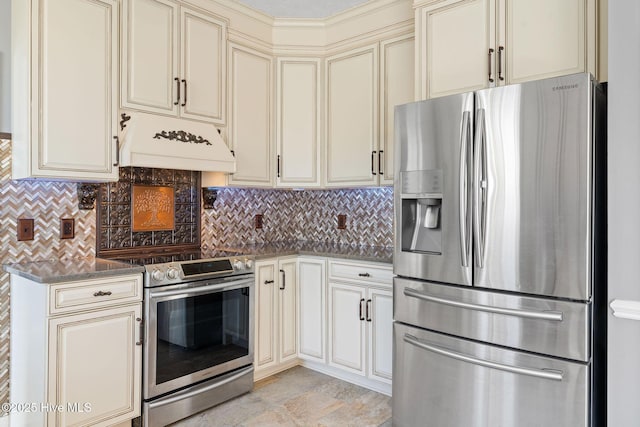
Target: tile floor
[299, 397]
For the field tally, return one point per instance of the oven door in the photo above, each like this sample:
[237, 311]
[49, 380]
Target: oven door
[195, 331]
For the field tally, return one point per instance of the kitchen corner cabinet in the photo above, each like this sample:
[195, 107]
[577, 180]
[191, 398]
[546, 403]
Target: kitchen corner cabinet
[360, 319]
[312, 318]
[250, 121]
[473, 44]
[173, 60]
[76, 347]
[276, 326]
[363, 87]
[298, 155]
[65, 85]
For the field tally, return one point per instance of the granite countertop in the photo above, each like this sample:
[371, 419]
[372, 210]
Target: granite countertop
[360, 253]
[66, 270]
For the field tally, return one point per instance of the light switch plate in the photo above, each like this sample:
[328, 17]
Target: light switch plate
[258, 221]
[342, 222]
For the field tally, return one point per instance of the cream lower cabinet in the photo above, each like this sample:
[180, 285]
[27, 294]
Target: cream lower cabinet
[360, 319]
[76, 351]
[275, 315]
[64, 89]
[465, 45]
[312, 317]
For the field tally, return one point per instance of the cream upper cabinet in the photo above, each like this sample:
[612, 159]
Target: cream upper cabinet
[173, 60]
[352, 117]
[465, 45]
[250, 121]
[65, 85]
[396, 88]
[298, 154]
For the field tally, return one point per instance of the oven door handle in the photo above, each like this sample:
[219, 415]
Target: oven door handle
[227, 286]
[186, 394]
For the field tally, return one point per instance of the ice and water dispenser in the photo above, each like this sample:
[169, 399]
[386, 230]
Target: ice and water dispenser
[421, 194]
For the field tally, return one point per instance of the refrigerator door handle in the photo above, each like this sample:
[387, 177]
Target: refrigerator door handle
[529, 314]
[550, 374]
[465, 142]
[480, 188]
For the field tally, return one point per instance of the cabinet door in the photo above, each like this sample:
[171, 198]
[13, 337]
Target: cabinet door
[312, 319]
[455, 38]
[379, 314]
[250, 121]
[74, 83]
[396, 87]
[297, 122]
[287, 291]
[545, 38]
[347, 327]
[352, 117]
[94, 361]
[203, 63]
[150, 56]
[265, 313]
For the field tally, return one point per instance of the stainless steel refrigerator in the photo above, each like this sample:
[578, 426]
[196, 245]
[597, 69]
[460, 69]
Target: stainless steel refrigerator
[500, 257]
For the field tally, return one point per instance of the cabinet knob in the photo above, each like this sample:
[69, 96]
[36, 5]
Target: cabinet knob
[364, 275]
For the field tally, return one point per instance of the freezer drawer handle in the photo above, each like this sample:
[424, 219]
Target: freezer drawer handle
[530, 314]
[538, 373]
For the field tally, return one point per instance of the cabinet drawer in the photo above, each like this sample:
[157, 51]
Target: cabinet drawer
[361, 272]
[88, 294]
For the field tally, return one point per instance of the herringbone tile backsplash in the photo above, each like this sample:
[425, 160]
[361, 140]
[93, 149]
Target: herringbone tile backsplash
[300, 215]
[287, 215]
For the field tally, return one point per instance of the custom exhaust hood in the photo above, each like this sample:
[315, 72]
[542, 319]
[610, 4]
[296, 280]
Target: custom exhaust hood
[155, 141]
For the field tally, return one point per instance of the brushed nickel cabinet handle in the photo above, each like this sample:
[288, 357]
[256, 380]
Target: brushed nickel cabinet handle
[490, 65]
[101, 294]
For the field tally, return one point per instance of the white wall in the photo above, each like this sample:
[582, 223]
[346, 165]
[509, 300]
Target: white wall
[624, 209]
[5, 66]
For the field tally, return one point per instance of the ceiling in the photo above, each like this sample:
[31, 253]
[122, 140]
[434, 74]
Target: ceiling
[301, 8]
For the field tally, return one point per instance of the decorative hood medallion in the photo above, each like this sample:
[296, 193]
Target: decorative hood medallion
[154, 141]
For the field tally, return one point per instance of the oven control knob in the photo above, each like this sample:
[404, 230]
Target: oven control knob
[248, 263]
[157, 275]
[173, 273]
[238, 265]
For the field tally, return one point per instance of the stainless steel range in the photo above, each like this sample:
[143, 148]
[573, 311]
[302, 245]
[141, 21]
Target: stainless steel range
[198, 335]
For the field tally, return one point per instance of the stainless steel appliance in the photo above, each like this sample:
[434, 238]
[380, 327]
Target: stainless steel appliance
[198, 336]
[500, 257]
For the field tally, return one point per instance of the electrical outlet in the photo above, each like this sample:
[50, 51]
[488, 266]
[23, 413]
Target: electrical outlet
[67, 228]
[257, 221]
[25, 229]
[342, 222]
